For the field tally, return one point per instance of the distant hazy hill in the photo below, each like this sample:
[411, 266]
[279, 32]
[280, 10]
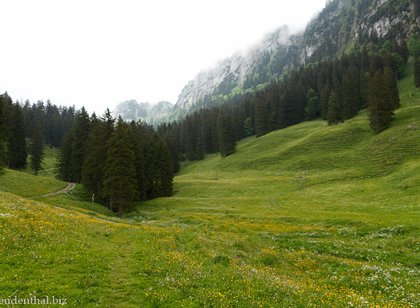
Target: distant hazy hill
[131, 110]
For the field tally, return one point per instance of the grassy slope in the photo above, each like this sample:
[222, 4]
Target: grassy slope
[27, 185]
[307, 215]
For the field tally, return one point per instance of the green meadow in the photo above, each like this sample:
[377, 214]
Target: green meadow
[311, 215]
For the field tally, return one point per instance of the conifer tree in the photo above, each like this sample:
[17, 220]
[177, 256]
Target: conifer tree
[225, 134]
[193, 132]
[391, 94]
[120, 172]
[261, 115]
[417, 72]
[324, 96]
[64, 158]
[350, 90]
[380, 110]
[248, 127]
[93, 165]
[2, 132]
[16, 142]
[80, 136]
[198, 138]
[37, 148]
[334, 110]
[174, 150]
[312, 109]
[164, 171]
[137, 136]
[414, 48]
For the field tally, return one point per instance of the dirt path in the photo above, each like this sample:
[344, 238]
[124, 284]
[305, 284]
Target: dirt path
[69, 187]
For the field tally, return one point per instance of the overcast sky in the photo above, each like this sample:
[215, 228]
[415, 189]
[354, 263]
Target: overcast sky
[98, 53]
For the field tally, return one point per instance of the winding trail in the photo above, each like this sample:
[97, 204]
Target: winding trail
[69, 187]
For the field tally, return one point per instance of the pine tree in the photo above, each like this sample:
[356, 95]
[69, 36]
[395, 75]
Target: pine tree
[137, 134]
[312, 109]
[198, 138]
[414, 48]
[391, 88]
[64, 158]
[248, 127]
[193, 132]
[16, 142]
[350, 90]
[173, 146]
[261, 116]
[93, 165]
[80, 136]
[2, 132]
[120, 172]
[149, 159]
[324, 96]
[225, 134]
[417, 71]
[164, 171]
[37, 148]
[334, 110]
[380, 110]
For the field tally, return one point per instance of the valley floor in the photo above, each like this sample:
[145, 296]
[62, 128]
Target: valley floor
[307, 216]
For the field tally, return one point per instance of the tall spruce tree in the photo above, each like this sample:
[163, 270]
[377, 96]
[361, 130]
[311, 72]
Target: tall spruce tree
[248, 127]
[16, 139]
[391, 94]
[163, 168]
[324, 95]
[37, 148]
[2, 132]
[64, 158]
[414, 48]
[93, 165]
[137, 134]
[334, 110]
[312, 109]
[350, 90]
[225, 134]
[120, 172]
[261, 115]
[80, 136]
[380, 109]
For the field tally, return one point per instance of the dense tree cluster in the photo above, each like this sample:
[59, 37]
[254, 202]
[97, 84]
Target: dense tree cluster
[26, 128]
[117, 162]
[414, 47]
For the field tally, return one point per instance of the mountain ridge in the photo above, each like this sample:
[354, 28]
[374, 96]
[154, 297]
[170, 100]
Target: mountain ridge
[339, 27]
[342, 26]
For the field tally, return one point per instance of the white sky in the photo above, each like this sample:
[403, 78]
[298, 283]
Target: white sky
[98, 53]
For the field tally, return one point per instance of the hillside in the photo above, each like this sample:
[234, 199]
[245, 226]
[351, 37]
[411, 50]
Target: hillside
[340, 27]
[312, 215]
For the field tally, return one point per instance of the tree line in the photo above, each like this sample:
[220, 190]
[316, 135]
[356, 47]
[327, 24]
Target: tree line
[117, 162]
[333, 90]
[26, 128]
